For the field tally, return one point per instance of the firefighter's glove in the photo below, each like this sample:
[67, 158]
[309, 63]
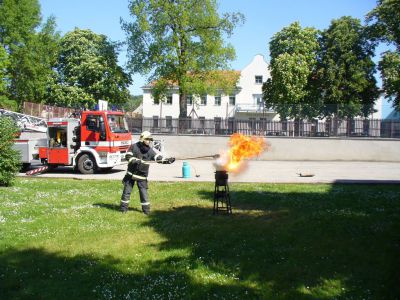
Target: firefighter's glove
[168, 161]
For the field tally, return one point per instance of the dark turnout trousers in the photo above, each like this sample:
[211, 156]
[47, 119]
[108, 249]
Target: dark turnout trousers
[126, 194]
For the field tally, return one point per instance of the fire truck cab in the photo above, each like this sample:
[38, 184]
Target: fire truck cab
[98, 141]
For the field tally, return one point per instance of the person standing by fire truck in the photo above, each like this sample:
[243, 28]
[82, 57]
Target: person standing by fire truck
[139, 156]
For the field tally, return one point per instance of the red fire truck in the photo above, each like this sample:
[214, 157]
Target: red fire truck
[96, 141]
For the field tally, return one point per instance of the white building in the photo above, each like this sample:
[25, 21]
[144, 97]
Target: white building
[246, 102]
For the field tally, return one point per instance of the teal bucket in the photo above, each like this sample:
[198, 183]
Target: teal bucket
[185, 170]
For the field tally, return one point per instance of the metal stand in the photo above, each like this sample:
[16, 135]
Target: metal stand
[222, 199]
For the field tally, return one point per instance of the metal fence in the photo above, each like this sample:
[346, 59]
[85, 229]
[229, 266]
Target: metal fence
[47, 111]
[218, 126]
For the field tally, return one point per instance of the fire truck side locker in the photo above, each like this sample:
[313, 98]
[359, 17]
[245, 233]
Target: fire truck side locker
[29, 150]
[60, 148]
[58, 156]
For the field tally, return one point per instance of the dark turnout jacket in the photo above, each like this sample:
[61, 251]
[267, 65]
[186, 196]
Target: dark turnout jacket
[139, 156]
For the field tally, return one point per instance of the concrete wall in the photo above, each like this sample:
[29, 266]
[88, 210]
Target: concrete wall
[282, 148]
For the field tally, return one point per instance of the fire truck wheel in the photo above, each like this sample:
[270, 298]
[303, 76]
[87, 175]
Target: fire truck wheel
[86, 164]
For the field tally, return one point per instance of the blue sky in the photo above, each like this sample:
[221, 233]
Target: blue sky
[263, 19]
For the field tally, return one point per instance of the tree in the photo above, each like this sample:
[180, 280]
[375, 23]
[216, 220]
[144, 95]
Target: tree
[389, 67]
[290, 90]
[346, 70]
[10, 159]
[181, 43]
[384, 21]
[133, 102]
[4, 101]
[31, 50]
[88, 71]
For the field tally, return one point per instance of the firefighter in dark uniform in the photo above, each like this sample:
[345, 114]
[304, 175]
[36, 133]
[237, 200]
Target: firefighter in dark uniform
[139, 156]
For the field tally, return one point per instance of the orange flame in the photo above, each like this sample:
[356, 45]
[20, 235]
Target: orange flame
[242, 147]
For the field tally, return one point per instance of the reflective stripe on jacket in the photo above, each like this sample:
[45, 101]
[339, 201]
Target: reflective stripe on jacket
[138, 156]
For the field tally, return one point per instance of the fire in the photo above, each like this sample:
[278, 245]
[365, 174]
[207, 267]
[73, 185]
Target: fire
[242, 147]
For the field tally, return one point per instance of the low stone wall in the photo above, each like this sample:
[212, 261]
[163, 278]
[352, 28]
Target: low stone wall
[296, 149]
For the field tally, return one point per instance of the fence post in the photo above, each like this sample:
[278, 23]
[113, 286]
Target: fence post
[335, 126]
[366, 126]
[391, 128]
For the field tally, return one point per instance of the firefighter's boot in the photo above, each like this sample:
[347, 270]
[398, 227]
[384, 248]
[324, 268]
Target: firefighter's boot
[146, 209]
[124, 206]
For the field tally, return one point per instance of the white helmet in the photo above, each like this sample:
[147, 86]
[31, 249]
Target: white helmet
[145, 135]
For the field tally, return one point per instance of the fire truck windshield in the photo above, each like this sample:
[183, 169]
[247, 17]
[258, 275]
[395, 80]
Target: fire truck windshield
[117, 123]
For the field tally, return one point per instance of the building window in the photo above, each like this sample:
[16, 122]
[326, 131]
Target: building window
[259, 79]
[189, 100]
[258, 99]
[252, 123]
[217, 100]
[169, 100]
[168, 121]
[188, 122]
[155, 121]
[232, 100]
[202, 122]
[203, 100]
[217, 125]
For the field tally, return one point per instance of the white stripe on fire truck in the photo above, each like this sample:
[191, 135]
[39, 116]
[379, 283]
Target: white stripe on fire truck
[108, 144]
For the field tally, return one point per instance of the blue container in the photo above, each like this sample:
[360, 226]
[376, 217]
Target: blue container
[185, 170]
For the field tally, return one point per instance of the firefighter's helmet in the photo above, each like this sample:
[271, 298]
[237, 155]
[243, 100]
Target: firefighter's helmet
[146, 135]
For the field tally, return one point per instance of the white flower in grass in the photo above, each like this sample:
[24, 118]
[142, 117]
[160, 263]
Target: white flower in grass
[28, 220]
[42, 194]
[2, 219]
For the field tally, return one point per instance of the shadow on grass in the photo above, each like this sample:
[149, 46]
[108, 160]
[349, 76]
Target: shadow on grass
[37, 274]
[114, 207]
[340, 244]
[67, 170]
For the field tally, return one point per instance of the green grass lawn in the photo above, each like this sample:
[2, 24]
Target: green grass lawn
[66, 239]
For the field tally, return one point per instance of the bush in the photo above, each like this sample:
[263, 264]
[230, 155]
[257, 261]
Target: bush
[10, 159]
[8, 104]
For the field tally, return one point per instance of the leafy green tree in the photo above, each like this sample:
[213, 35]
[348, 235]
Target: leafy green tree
[384, 23]
[181, 43]
[290, 90]
[10, 159]
[347, 70]
[31, 49]
[4, 101]
[133, 102]
[88, 71]
[389, 67]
